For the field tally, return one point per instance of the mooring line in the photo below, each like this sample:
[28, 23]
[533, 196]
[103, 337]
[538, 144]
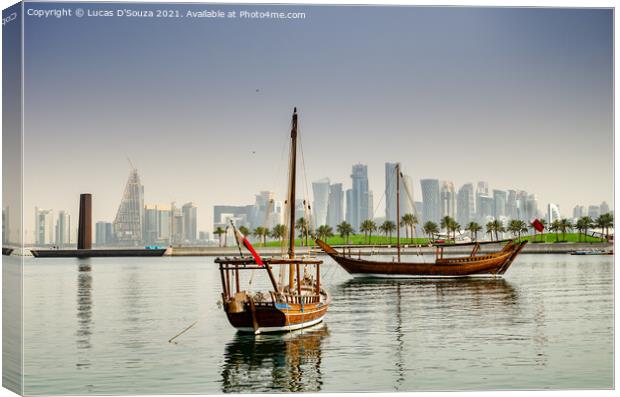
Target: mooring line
[182, 332]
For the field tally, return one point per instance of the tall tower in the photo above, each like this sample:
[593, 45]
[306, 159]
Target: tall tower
[359, 195]
[130, 214]
[431, 200]
[320, 191]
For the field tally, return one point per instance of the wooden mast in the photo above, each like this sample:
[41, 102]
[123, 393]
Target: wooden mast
[291, 201]
[398, 209]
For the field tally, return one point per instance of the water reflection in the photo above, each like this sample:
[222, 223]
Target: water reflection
[288, 362]
[84, 312]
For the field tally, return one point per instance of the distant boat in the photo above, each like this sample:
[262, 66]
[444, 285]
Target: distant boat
[475, 264]
[592, 252]
[299, 303]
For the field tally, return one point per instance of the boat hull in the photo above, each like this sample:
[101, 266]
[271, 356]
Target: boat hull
[268, 318]
[490, 265]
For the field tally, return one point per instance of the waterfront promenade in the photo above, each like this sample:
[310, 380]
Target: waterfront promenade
[532, 248]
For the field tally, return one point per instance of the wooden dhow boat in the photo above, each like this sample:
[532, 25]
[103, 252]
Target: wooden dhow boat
[301, 302]
[473, 265]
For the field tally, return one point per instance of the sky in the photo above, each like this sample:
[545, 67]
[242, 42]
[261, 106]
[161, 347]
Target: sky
[518, 97]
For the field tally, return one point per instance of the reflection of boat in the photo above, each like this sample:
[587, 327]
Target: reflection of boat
[289, 362]
[592, 252]
[301, 302]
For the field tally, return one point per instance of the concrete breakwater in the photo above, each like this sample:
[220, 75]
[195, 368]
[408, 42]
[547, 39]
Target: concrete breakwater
[355, 250]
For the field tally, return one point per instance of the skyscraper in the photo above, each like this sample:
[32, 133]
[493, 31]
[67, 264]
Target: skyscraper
[553, 213]
[335, 206]
[594, 211]
[578, 211]
[604, 208]
[320, 192]
[130, 214]
[430, 200]
[177, 227]
[406, 193]
[43, 226]
[511, 205]
[103, 233]
[190, 222]
[63, 229]
[465, 204]
[359, 195]
[448, 199]
[482, 189]
[522, 205]
[150, 224]
[531, 208]
[499, 203]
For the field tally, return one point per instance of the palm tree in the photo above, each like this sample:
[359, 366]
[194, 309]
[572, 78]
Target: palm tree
[409, 221]
[218, 232]
[474, 228]
[543, 222]
[445, 223]
[324, 231]
[302, 226]
[344, 230]
[279, 232]
[587, 223]
[454, 227]
[498, 227]
[368, 226]
[516, 227]
[261, 233]
[605, 221]
[244, 230]
[387, 228]
[580, 227]
[555, 227]
[430, 229]
[490, 227]
[565, 225]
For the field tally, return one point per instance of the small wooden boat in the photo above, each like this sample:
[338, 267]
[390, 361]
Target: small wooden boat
[487, 264]
[300, 303]
[474, 264]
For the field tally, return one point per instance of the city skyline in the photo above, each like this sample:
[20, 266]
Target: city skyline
[457, 94]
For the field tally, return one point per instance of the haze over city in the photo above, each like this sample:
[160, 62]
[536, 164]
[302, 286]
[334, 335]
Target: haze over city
[520, 98]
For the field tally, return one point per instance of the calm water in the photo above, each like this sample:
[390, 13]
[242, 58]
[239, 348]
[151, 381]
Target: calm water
[103, 325]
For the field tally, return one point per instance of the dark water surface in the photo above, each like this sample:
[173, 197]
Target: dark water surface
[102, 326]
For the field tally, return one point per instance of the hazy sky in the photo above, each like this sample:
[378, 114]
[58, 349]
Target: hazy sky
[521, 98]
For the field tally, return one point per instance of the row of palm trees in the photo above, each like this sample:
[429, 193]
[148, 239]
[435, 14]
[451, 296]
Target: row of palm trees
[430, 229]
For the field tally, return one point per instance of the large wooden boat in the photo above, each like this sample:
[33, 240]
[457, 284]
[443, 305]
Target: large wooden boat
[474, 264]
[299, 303]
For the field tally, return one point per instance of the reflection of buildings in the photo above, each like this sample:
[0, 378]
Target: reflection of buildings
[84, 314]
[280, 362]
[129, 217]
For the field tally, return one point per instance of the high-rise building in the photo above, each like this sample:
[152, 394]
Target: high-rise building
[320, 192]
[431, 200]
[594, 211]
[522, 197]
[177, 226]
[104, 234]
[482, 189]
[531, 208]
[448, 199]
[578, 211]
[240, 214]
[63, 229]
[190, 222]
[486, 208]
[465, 204]
[499, 203]
[406, 193]
[511, 205]
[150, 224]
[349, 213]
[128, 224]
[360, 209]
[335, 205]
[43, 226]
[604, 208]
[553, 213]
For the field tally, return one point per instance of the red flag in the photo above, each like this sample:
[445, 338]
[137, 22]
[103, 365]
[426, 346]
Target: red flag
[538, 225]
[241, 238]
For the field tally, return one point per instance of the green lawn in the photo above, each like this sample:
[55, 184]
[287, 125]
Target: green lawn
[360, 239]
